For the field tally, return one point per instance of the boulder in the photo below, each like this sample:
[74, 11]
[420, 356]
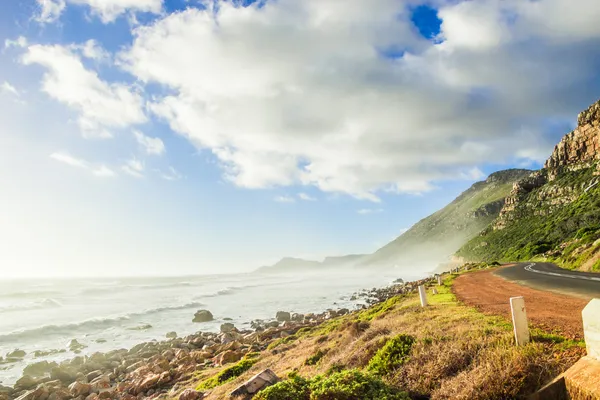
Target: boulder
[100, 383]
[297, 317]
[227, 327]
[74, 345]
[64, 374]
[6, 389]
[283, 316]
[16, 354]
[203, 316]
[80, 389]
[191, 394]
[26, 382]
[256, 383]
[93, 375]
[39, 368]
[171, 335]
[60, 394]
[228, 356]
[26, 396]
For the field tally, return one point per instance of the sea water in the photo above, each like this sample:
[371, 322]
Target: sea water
[111, 313]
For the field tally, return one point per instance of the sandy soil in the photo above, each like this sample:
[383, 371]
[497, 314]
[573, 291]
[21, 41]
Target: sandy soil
[550, 311]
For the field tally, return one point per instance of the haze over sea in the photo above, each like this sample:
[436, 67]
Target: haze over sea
[111, 313]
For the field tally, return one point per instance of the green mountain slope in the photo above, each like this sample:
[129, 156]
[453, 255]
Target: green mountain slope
[435, 238]
[553, 214]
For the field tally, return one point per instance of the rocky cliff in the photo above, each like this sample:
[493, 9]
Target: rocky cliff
[553, 212]
[580, 148]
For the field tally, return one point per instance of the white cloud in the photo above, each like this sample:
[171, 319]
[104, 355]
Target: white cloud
[21, 41]
[49, 10]
[91, 49]
[107, 10]
[101, 106]
[473, 174]
[285, 199]
[151, 145]
[333, 113]
[97, 170]
[171, 175]
[134, 167]
[365, 211]
[306, 197]
[68, 159]
[6, 87]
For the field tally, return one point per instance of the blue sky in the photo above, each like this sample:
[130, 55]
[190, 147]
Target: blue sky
[176, 137]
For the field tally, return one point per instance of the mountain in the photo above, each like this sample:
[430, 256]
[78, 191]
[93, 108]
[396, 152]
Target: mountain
[289, 264]
[553, 213]
[435, 238]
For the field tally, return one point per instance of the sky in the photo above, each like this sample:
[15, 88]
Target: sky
[168, 137]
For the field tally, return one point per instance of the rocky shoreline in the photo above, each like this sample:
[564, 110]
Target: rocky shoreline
[154, 369]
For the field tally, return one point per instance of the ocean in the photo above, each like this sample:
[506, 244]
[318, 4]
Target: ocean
[111, 313]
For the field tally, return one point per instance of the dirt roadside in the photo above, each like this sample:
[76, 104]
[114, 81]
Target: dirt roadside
[550, 311]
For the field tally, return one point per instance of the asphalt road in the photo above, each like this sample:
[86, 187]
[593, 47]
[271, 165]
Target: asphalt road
[548, 276]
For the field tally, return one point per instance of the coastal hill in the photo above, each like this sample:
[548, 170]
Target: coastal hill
[554, 213]
[433, 239]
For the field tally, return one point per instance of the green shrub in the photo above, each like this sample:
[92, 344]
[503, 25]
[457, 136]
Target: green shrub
[392, 355]
[294, 388]
[284, 340]
[346, 385]
[353, 385]
[315, 358]
[336, 367]
[228, 374]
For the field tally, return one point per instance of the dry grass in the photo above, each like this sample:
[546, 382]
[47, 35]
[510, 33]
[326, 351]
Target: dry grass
[459, 353]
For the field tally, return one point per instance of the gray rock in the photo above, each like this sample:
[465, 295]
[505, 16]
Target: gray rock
[203, 316]
[191, 394]
[74, 345]
[256, 383]
[16, 354]
[227, 327]
[171, 335]
[64, 374]
[283, 316]
[26, 382]
[39, 368]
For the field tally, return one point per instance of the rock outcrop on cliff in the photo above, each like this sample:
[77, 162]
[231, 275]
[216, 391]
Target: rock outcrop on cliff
[552, 212]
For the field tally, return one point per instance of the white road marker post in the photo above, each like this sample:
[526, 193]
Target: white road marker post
[434, 291]
[423, 296]
[591, 328]
[439, 279]
[519, 318]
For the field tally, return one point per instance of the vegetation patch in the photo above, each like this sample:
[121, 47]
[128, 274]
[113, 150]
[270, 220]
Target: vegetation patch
[344, 385]
[378, 310]
[315, 358]
[284, 340]
[228, 374]
[294, 388]
[392, 355]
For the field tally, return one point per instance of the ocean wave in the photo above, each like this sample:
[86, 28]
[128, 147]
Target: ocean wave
[88, 325]
[36, 305]
[112, 288]
[29, 293]
[233, 289]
